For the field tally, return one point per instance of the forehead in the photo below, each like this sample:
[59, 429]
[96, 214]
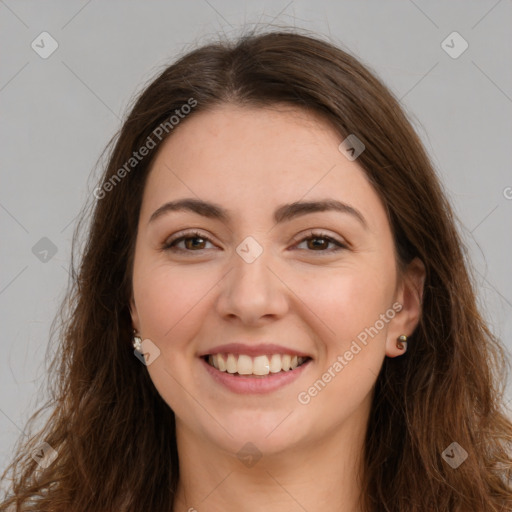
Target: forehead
[247, 158]
[247, 137]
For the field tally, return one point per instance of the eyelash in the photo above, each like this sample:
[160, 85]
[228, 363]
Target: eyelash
[169, 245]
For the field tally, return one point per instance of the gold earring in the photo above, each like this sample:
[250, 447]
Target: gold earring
[401, 342]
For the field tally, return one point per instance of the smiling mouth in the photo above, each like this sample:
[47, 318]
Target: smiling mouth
[259, 366]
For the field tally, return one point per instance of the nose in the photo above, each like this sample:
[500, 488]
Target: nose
[253, 293]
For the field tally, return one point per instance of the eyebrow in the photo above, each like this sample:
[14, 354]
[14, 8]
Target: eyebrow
[282, 214]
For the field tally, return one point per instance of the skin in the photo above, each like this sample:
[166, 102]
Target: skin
[250, 161]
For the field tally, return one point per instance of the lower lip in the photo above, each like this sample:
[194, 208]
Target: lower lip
[255, 385]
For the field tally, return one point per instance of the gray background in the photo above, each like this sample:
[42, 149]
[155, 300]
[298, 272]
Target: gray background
[58, 114]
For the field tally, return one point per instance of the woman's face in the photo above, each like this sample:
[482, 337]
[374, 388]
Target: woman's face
[253, 270]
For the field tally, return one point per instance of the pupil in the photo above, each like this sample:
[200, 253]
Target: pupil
[192, 240]
[321, 245]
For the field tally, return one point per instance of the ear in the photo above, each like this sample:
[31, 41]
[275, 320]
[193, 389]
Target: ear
[409, 294]
[134, 314]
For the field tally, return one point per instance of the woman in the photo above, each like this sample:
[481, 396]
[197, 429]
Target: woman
[273, 309]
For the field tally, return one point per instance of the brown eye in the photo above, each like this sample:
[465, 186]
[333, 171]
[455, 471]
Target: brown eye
[192, 242]
[319, 242]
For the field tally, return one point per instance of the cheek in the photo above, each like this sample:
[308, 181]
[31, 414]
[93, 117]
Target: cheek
[171, 304]
[352, 335]
[349, 299]
[166, 294]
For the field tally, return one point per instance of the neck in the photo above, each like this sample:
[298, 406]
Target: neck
[321, 474]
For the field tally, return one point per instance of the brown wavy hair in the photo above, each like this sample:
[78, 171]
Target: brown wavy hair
[114, 434]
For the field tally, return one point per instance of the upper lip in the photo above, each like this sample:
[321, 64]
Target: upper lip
[253, 350]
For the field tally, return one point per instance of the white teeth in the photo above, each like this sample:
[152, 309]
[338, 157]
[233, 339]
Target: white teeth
[221, 364]
[244, 365]
[231, 364]
[259, 365]
[275, 363]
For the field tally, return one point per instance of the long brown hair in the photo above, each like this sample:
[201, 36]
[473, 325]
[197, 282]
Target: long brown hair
[114, 434]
